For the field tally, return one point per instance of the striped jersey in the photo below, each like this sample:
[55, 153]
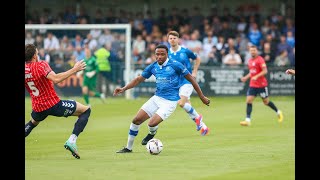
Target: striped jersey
[41, 90]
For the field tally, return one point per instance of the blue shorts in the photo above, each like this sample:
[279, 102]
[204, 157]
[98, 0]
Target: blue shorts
[263, 92]
[63, 108]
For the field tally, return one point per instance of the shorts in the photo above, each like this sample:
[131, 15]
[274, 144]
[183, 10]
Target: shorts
[163, 107]
[91, 83]
[263, 92]
[63, 108]
[186, 90]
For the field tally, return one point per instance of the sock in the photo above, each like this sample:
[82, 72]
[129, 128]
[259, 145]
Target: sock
[97, 94]
[191, 111]
[28, 128]
[73, 138]
[153, 130]
[86, 98]
[133, 132]
[249, 110]
[81, 122]
[270, 104]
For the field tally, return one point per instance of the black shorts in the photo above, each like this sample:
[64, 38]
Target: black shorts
[63, 108]
[263, 92]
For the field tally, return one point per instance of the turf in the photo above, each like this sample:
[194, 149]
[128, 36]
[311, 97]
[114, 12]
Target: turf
[265, 150]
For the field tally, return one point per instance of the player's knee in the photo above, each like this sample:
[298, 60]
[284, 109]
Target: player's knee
[137, 121]
[181, 104]
[87, 113]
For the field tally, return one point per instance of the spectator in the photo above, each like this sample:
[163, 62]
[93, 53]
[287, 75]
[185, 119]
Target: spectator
[282, 59]
[51, 44]
[232, 59]
[267, 54]
[29, 39]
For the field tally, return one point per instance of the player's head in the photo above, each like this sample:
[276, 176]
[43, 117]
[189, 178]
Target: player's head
[173, 38]
[253, 51]
[161, 53]
[31, 53]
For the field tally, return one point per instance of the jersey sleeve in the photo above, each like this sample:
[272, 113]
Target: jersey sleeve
[262, 63]
[180, 68]
[147, 72]
[191, 54]
[45, 68]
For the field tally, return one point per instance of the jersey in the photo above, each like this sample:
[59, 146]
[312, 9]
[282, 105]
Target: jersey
[91, 65]
[167, 78]
[183, 55]
[41, 90]
[255, 66]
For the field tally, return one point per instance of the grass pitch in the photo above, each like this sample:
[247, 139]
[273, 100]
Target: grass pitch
[265, 150]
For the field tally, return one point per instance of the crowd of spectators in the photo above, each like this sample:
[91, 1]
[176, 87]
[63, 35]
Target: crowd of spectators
[220, 39]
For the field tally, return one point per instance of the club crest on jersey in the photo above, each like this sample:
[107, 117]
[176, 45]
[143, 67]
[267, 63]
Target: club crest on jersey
[182, 56]
[167, 69]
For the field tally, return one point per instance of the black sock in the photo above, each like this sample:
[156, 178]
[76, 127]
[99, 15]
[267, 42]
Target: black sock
[270, 104]
[81, 122]
[249, 110]
[28, 128]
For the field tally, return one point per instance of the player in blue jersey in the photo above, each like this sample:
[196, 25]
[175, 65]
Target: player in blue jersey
[185, 55]
[160, 106]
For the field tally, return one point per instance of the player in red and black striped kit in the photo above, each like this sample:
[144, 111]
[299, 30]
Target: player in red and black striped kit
[39, 82]
[258, 85]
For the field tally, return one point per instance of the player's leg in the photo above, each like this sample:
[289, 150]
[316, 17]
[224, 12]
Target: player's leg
[85, 93]
[251, 94]
[165, 109]
[67, 108]
[265, 98]
[185, 92]
[93, 89]
[146, 111]
[36, 118]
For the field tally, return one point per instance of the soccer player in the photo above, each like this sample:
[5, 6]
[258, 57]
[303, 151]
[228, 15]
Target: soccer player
[39, 79]
[291, 72]
[90, 78]
[160, 106]
[185, 55]
[258, 85]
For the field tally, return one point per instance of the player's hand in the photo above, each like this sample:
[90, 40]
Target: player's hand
[205, 100]
[90, 74]
[118, 91]
[243, 79]
[254, 78]
[290, 71]
[194, 74]
[79, 65]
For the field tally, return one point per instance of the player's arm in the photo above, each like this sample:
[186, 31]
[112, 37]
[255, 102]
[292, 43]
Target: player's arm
[130, 85]
[56, 78]
[245, 78]
[196, 66]
[197, 88]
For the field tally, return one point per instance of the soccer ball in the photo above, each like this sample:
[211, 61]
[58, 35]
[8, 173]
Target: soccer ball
[154, 146]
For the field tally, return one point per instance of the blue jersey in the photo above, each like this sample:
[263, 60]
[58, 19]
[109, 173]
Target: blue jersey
[183, 55]
[167, 78]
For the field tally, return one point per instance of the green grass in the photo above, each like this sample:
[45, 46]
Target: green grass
[265, 150]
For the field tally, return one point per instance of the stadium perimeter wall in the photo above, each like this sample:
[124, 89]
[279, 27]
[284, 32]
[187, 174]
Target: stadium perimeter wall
[214, 81]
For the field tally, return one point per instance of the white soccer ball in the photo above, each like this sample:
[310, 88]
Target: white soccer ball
[154, 146]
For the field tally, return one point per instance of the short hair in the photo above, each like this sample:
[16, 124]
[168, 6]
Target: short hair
[174, 33]
[162, 46]
[30, 50]
[253, 46]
